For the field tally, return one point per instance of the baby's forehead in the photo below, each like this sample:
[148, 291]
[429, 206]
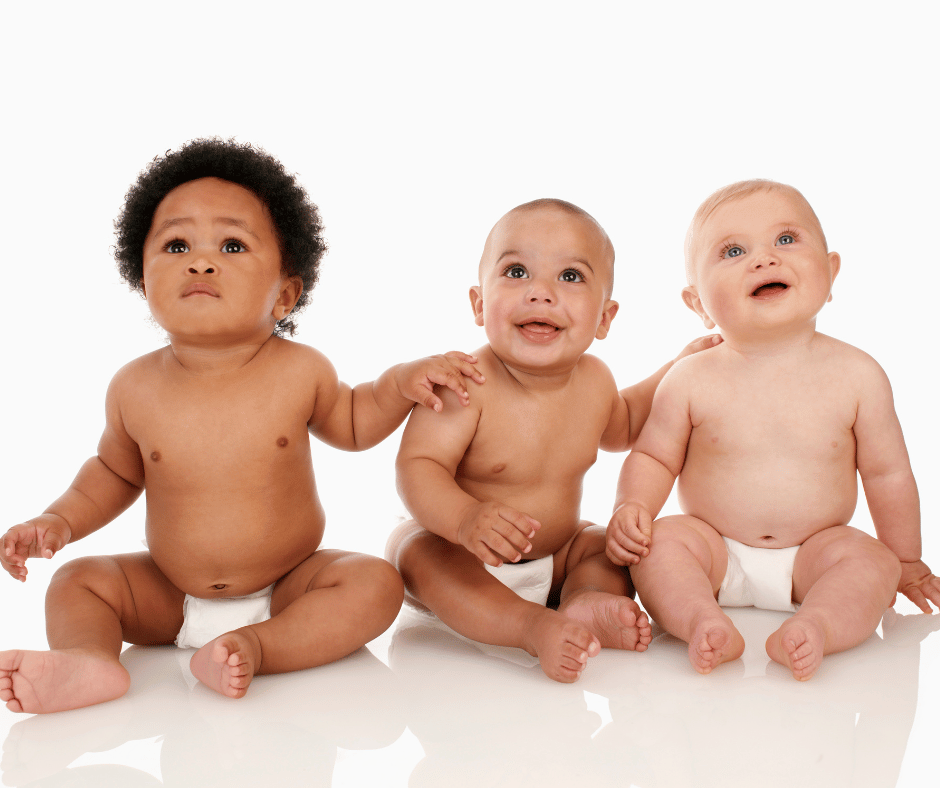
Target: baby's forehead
[547, 227]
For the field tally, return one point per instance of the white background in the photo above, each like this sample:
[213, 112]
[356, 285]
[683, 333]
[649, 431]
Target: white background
[414, 127]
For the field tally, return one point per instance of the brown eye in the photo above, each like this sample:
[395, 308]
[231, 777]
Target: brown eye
[176, 247]
[233, 247]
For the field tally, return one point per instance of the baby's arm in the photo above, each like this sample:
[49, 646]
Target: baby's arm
[358, 418]
[649, 471]
[890, 489]
[432, 447]
[632, 406]
[105, 486]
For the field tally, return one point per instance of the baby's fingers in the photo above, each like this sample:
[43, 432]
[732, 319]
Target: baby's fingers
[623, 550]
[466, 365]
[929, 589]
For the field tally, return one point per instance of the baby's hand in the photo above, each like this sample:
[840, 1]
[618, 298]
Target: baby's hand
[629, 534]
[495, 533]
[697, 345]
[41, 537]
[919, 584]
[416, 379]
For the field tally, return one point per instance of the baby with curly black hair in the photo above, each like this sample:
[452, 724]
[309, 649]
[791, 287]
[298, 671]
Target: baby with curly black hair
[215, 426]
[296, 220]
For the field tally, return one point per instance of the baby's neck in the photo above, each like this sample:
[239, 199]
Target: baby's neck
[757, 345]
[539, 380]
[214, 361]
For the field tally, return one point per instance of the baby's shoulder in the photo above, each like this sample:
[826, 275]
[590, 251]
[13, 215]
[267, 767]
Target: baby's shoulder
[696, 367]
[141, 371]
[835, 353]
[297, 359]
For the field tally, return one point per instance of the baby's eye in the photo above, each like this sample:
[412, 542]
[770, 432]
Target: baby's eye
[176, 247]
[571, 275]
[732, 251]
[785, 239]
[233, 247]
[516, 272]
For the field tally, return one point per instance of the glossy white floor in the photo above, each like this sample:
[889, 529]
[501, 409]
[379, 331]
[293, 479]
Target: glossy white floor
[420, 707]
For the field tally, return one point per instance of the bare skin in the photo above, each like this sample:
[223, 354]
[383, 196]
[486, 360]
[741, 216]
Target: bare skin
[500, 481]
[767, 434]
[216, 428]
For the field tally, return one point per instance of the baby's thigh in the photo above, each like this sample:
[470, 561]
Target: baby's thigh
[355, 574]
[400, 539]
[148, 605]
[845, 548]
[683, 536]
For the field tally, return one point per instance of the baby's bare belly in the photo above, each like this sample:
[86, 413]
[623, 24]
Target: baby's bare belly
[774, 507]
[232, 548]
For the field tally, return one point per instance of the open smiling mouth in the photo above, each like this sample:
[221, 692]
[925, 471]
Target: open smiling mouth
[539, 328]
[769, 290]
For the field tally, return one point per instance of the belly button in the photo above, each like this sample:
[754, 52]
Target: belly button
[219, 586]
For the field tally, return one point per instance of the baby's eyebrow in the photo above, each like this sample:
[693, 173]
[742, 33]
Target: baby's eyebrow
[226, 221]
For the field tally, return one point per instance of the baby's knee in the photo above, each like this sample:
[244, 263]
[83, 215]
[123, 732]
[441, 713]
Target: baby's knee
[382, 583]
[88, 571]
[871, 556]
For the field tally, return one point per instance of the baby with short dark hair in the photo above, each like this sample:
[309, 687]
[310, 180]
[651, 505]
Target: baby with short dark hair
[225, 246]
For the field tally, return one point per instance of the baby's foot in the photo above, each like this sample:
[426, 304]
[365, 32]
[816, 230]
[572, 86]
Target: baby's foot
[226, 664]
[616, 621]
[798, 645]
[715, 639]
[37, 682]
[561, 644]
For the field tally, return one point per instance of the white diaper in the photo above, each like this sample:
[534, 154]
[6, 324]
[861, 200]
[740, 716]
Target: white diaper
[531, 580]
[205, 619]
[758, 576]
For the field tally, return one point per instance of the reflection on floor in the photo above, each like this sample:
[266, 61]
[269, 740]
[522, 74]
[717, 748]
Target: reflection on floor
[423, 708]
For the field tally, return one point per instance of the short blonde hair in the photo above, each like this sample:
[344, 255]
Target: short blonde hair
[736, 191]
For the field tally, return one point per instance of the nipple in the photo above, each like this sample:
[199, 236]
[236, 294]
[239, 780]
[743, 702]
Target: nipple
[155, 456]
[499, 468]
[282, 441]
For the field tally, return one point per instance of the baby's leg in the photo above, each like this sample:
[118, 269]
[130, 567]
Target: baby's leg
[600, 594]
[325, 608]
[453, 583]
[845, 580]
[678, 582]
[92, 606]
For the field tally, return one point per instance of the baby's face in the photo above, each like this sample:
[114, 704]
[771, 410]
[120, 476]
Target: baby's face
[760, 263]
[544, 289]
[212, 264]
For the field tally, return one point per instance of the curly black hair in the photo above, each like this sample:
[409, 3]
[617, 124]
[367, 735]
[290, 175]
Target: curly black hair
[296, 219]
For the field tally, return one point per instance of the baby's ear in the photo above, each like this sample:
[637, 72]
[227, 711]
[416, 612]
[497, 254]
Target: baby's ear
[607, 317]
[476, 302]
[693, 302]
[835, 265]
[291, 290]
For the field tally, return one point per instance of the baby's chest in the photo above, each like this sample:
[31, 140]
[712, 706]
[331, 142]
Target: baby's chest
[775, 421]
[535, 440]
[198, 436]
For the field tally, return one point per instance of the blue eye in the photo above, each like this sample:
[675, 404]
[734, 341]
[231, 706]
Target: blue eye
[516, 272]
[785, 239]
[233, 247]
[571, 275]
[176, 247]
[733, 251]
